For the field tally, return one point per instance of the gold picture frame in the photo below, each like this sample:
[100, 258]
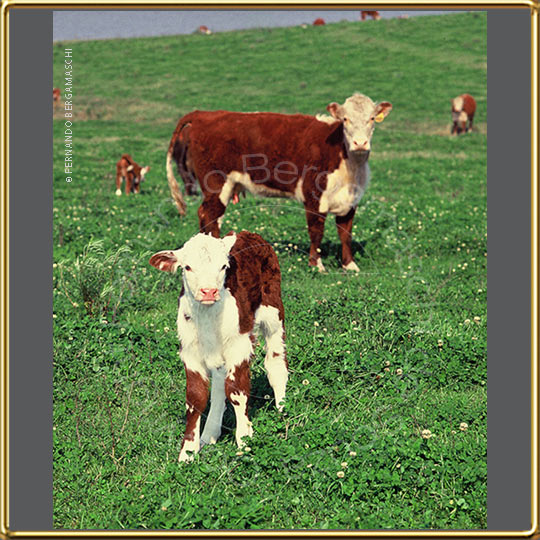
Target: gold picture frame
[7, 6]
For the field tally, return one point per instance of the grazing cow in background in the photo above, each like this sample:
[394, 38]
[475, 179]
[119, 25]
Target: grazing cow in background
[319, 22]
[231, 289]
[463, 109]
[373, 14]
[203, 30]
[320, 161]
[56, 95]
[133, 174]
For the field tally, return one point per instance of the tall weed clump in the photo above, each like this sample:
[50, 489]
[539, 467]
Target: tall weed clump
[97, 280]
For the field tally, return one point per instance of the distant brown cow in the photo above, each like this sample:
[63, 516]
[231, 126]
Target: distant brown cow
[133, 174]
[319, 22]
[463, 109]
[56, 95]
[320, 161]
[373, 14]
[204, 30]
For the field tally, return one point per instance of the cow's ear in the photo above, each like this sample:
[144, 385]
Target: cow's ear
[382, 111]
[228, 242]
[165, 260]
[335, 110]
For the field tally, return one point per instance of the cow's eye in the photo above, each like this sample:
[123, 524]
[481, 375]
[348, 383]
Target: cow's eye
[188, 268]
[223, 267]
[345, 119]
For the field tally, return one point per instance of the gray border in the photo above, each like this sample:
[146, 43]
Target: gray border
[31, 269]
[509, 276]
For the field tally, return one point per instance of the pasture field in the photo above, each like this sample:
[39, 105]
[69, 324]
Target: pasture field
[386, 366]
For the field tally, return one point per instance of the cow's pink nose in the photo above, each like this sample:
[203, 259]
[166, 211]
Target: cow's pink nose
[209, 294]
[364, 145]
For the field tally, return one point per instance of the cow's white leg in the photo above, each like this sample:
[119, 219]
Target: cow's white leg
[196, 400]
[275, 361]
[237, 383]
[212, 427]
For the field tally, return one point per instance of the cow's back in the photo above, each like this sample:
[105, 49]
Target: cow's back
[260, 143]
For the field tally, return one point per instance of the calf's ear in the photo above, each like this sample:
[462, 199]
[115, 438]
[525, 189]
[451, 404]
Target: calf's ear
[335, 110]
[165, 260]
[228, 241]
[382, 111]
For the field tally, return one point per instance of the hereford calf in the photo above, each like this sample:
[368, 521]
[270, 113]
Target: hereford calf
[463, 109]
[319, 22]
[320, 161]
[373, 14]
[231, 289]
[56, 95]
[133, 174]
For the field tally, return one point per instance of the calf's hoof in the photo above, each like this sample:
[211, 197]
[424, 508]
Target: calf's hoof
[184, 457]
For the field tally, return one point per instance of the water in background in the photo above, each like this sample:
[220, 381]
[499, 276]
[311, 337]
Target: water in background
[68, 25]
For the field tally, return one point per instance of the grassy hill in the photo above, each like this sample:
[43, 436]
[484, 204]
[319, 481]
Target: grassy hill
[376, 359]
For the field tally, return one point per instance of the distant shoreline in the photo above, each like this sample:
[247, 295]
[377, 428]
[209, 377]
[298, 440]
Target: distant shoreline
[69, 25]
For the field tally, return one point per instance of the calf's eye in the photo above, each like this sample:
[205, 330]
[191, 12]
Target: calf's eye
[188, 268]
[224, 266]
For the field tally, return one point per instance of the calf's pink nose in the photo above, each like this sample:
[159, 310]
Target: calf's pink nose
[209, 294]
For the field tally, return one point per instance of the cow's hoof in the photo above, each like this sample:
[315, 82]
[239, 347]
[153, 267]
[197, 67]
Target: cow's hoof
[351, 267]
[118, 192]
[318, 265]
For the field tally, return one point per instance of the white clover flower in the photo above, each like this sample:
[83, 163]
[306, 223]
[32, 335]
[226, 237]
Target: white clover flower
[340, 474]
[426, 434]
[463, 426]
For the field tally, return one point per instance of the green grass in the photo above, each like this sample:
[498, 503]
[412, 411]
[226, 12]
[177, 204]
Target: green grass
[375, 358]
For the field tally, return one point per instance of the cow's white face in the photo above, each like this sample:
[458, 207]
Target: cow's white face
[359, 115]
[457, 104]
[204, 261]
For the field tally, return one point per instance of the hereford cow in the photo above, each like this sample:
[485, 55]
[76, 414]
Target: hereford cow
[231, 288]
[133, 174]
[373, 14]
[203, 30]
[56, 95]
[463, 109]
[320, 161]
[319, 22]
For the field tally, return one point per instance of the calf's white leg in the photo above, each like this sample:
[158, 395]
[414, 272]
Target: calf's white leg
[275, 361]
[212, 427]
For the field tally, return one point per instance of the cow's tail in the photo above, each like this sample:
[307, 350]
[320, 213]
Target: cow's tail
[176, 193]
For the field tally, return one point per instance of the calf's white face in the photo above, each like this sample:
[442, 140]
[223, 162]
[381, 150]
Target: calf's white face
[204, 261]
[359, 115]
